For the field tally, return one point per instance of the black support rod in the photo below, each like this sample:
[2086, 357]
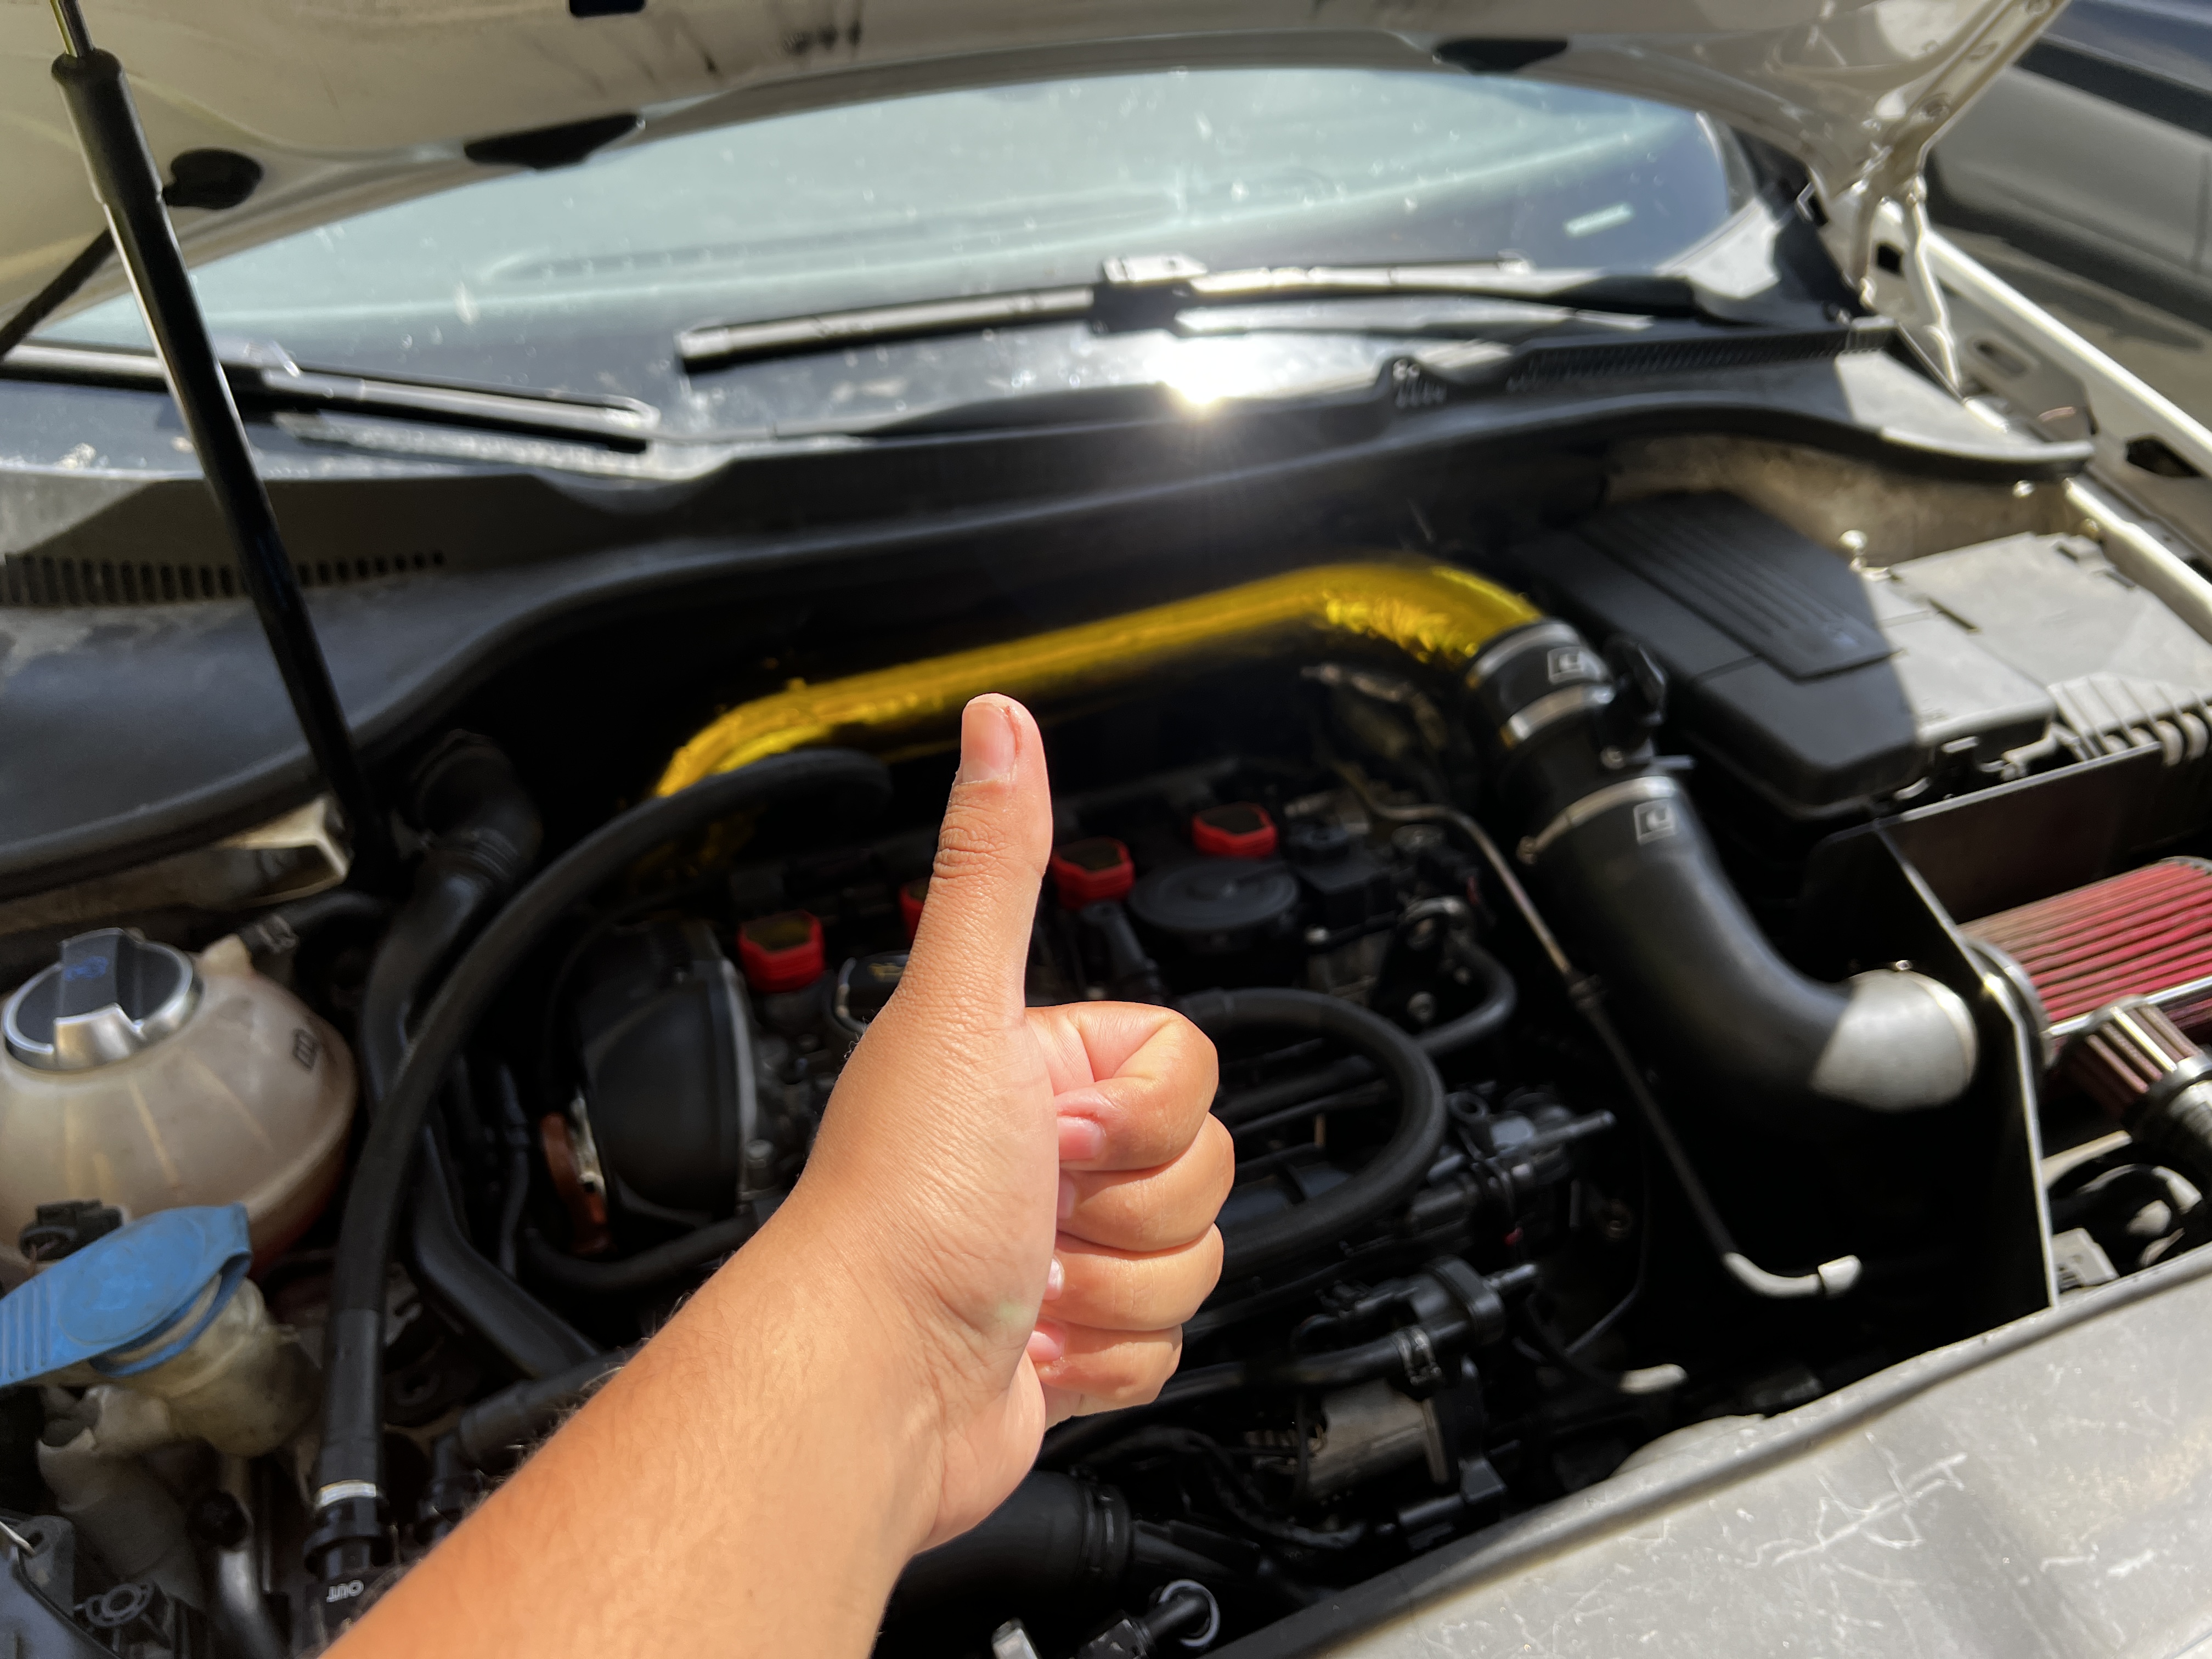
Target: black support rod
[129, 190]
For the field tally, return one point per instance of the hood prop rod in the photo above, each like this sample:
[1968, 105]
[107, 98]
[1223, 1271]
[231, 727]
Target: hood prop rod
[130, 192]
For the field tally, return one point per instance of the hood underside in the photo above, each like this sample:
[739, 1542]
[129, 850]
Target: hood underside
[350, 104]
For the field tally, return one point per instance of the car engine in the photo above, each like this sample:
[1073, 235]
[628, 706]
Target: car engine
[1666, 965]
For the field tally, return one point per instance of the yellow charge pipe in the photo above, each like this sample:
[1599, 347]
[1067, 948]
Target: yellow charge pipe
[1431, 615]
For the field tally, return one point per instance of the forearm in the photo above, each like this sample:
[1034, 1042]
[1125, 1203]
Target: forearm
[754, 1470]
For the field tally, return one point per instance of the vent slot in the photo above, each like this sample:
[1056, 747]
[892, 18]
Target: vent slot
[1543, 364]
[41, 581]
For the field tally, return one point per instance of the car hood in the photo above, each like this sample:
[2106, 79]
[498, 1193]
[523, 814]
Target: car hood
[348, 104]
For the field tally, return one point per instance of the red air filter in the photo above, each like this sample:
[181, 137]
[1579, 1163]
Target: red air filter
[2126, 1052]
[2146, 933]
[2131, 1060]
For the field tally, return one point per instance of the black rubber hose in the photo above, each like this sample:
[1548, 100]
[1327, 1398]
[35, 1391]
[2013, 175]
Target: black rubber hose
[514, 1133]
[519, 1412]
[1335, 1368]
[525, 1333]
[1620, 847]
[1487, 1019]
[634, 1274]
[348, 1470]
[1338, 1368]
[484, 835]
[1053, 1537]
[1666, 927]
[1499, 997]
[1390, 1176]
[285, 926]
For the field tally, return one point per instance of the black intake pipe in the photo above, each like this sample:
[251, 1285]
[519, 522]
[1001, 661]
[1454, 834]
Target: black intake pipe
[1621, 848]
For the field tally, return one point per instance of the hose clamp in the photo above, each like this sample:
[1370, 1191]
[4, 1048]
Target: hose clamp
[1656, 786]
[1205, 1633]
[1549, 635]
[1550, 709]
[1417, 1358]
[338, 1491]
[2192, 1071]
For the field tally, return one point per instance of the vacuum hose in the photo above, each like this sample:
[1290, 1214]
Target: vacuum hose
[348, 1539]
[1621, 849]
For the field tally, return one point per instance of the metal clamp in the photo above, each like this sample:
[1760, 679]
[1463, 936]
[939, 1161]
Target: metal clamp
[1550, 709]
[1597, 804]
[339, 1490]
[1548, 633]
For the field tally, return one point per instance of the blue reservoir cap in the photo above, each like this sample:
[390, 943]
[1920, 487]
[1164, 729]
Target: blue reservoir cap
[147, 1289]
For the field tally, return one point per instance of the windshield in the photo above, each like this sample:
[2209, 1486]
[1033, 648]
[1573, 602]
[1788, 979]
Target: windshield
[579, 279]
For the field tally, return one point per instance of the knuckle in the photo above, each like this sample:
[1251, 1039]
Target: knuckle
[1221, 1154]
[1162, 1208]
[1127, 1372]
[968, 842]
[1144, 1293]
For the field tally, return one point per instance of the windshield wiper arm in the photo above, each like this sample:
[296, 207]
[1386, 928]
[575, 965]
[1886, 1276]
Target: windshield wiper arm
[265, 377]
[1135, 293]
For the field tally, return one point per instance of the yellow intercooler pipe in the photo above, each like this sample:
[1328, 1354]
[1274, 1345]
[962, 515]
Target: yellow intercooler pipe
[1431, 615]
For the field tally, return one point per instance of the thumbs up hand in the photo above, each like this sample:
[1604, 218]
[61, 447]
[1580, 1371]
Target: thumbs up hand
[1023, 1198]
[1006, 1217]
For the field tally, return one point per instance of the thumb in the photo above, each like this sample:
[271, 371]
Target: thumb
[971, 950]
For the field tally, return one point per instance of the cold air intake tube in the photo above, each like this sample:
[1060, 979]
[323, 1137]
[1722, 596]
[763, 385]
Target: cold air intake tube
[1607, 828]
[1618, 846]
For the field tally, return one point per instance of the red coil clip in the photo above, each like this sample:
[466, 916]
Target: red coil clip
[1240, 830]
[1086, 872]
[781, 952]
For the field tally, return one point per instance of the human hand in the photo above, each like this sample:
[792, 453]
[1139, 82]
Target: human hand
[1005, 1220]
[1023, 1198]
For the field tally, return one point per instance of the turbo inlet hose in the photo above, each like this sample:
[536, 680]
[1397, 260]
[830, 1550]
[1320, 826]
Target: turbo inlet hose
[1620, 847]
[348, 1471]
[1390, 1176]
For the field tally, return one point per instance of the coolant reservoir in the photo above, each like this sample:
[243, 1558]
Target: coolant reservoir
[150, 1080]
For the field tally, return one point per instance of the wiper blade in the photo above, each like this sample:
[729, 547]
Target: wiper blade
[1134, 294]
[264, 377]
[787, 337]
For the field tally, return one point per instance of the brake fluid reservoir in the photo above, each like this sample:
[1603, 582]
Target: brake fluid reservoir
[150, 1080]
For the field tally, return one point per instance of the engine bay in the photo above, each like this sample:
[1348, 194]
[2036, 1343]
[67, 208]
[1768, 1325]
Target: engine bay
[1668, 962]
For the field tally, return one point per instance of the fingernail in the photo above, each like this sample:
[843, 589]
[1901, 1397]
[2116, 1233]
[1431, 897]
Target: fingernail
[1081, 1139]
[1047, 1343]
[1055, 1280]
[1066, 1197]
[987, 740]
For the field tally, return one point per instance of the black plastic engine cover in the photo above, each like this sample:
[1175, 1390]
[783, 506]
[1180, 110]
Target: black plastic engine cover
[1779, 667]
[665, 1047]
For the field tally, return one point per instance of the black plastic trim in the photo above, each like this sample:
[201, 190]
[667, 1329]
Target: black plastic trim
[154, 730]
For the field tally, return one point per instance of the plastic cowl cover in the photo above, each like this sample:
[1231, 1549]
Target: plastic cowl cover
[140, 1294]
